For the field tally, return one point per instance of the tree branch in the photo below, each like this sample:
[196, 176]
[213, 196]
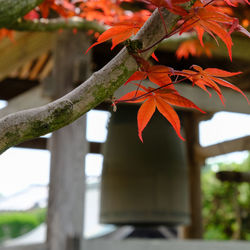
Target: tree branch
[11, 10]
[28, 124]
[56, 24]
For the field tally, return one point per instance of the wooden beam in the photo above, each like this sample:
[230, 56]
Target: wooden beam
[234, 101]
[38, 66]
[95, 147]
[41, 143]
[67, 185]
[233, 176]
[225, 147]
[240, 50]
[38, 143]
[30, 99]
[47, 68]
[24, 72]
[195, 229]
[68, 147]
[12, 87]
[27, 46]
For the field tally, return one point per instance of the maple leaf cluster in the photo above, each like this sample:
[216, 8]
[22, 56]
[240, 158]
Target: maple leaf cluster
[194, 48]
[202, 17]
[214, 18]
[161, 97]
[165, 94]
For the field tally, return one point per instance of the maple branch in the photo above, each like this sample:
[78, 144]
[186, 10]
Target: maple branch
[56, 24]
[11, 10]
[21, 126]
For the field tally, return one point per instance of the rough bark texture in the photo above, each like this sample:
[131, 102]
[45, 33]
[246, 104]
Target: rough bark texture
[11, 10]
[25, 125]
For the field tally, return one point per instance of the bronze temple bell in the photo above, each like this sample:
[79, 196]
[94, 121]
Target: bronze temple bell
[143, 183]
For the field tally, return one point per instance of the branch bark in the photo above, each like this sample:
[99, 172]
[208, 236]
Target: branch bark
[11, 10]
[28, 124]
[56, 24]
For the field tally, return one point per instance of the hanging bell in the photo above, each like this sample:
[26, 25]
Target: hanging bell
[143, 183]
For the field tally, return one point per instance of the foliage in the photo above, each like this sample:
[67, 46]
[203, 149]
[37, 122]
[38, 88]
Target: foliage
[206, 18]
[14, 224]
[226, 205]
[202, 17]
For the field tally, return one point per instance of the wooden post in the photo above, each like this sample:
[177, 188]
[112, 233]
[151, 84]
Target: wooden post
[68, 148]
[191, 126]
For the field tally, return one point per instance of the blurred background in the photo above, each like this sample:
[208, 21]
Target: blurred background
[23, 196]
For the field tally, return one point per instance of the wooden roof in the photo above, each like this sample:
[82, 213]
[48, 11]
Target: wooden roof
[36, 69]
[28, 60]
[17, 55]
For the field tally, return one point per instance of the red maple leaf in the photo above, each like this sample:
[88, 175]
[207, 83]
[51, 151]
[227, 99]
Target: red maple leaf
[104, 11]
[119, 33]
[194, 48]
[210, 77]
[171, 5]
[160, 99]
[62, 7]
[157, 74]
[234, 3]
[7, 33]
[211, 19]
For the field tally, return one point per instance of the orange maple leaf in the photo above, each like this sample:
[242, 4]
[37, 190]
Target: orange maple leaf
[118, 33]
[171, 5]
[157, 74]
[193, 47]
[62, 7]
[160, 99]
[210, 77]
[234, 3]
[104, 11]
[7, 33]
[211, 19]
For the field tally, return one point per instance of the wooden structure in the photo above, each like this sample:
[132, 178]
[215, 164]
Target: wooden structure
[233, 176]
[27, 81]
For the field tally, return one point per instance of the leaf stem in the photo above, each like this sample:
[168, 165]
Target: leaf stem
[176, 30]
[149, 92]
[163, 21]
